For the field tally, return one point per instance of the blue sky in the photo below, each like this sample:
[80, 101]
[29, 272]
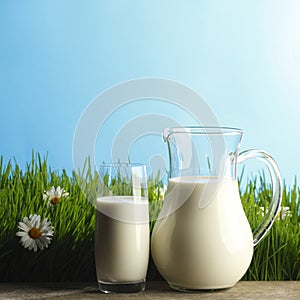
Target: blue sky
[242, 57]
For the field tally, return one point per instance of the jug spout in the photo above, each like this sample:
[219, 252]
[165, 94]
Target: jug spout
[170, 131]
[182, 156]
[166, 134]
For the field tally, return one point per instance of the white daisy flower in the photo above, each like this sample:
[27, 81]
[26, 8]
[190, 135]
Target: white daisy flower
[282, 214]
[160, 192]
[35, 233]
[262, 211]
[53, 195]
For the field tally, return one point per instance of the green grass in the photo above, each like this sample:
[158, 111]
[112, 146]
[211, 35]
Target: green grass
[277, 256]
[70, 256]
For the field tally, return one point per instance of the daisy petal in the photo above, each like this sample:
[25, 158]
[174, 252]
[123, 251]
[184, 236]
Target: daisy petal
[23, 226]
[21, 233]
[25, 238]
[27, 242]
[34, 246]
[40, 244]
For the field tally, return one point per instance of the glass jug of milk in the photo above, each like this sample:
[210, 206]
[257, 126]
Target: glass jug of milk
[202, 238]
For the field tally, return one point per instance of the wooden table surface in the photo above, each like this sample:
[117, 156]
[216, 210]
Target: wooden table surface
[270, 290]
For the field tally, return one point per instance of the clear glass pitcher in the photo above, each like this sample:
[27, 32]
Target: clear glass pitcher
[202, 238]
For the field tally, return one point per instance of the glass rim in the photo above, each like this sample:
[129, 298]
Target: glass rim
[122, 164]
[203, 130]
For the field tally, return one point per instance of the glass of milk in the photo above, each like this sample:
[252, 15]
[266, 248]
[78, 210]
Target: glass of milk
[122, 228]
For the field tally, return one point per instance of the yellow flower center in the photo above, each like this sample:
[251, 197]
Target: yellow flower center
[34, 233]
[55, 200]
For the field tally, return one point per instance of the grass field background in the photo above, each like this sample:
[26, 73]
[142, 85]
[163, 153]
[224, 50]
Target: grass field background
[70, 256]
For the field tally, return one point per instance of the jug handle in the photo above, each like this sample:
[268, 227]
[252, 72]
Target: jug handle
[275, 204]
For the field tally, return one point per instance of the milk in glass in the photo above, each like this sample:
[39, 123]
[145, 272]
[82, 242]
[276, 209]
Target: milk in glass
[122, 242]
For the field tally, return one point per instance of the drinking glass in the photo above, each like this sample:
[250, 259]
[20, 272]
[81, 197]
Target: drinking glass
[122, 228]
